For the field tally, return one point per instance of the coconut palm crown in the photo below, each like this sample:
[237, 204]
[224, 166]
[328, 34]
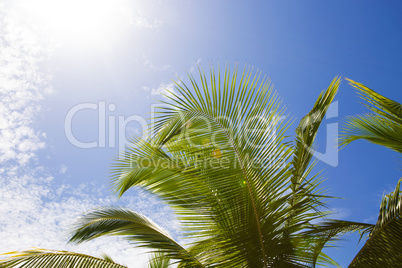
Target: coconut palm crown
[245, 194]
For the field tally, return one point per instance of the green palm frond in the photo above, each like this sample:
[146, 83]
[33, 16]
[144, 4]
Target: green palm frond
[305, 194]
[383, 126]
[136, 228]
[212, 200]
[332, 228]
[219, 156]
[43, 258]
[106, 257]
[383, 248]
[244, 193]
[159, 260]
[329, 231]
[303, 188]
[307, 131]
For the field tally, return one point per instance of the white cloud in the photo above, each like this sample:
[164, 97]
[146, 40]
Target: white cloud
[164, 89]
[340, 213]
[22, 85]
[153, 67]
[35, 214]
[142, 22]
[36, 211]
[195, 65]
[372, 219]
[63, 169]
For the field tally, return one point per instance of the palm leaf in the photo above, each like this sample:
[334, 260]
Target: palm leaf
[212, 200]
[43, 258]
[136, 228]
[383, 126]
[301, 187]
[307, 131]
[383, 248]
[219, 156]
[305, 194]
[329, 231]
[159, 260]
[106, 257]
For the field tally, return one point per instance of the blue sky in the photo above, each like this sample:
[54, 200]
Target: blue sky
[56, 56]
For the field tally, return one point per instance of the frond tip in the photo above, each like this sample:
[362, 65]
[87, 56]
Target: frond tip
[383, 248]
[383, 126]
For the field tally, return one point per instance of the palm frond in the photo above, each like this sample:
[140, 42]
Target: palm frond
[329, 231]
[106, 257]
[136, 228]
[301, 187]
[332, 228]
[383, 126]
[159, 260]
[219, 156]
[305, 196]
[43, 258]
[383, 248]
[307, 131]
[232, 125]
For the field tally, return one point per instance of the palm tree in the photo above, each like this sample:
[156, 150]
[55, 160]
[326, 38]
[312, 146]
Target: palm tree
[384, 127]
[218, 155]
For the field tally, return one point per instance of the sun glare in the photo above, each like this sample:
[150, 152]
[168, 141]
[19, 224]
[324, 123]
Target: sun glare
[84, 21]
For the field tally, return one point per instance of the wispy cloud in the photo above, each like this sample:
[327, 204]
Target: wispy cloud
[164, 90]
[142, 22]
[142, 18]
[153, 67]
[63, 169]
[340, 213]
[22, 85]
[35, 214]
[194, 65]
[36, 210]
